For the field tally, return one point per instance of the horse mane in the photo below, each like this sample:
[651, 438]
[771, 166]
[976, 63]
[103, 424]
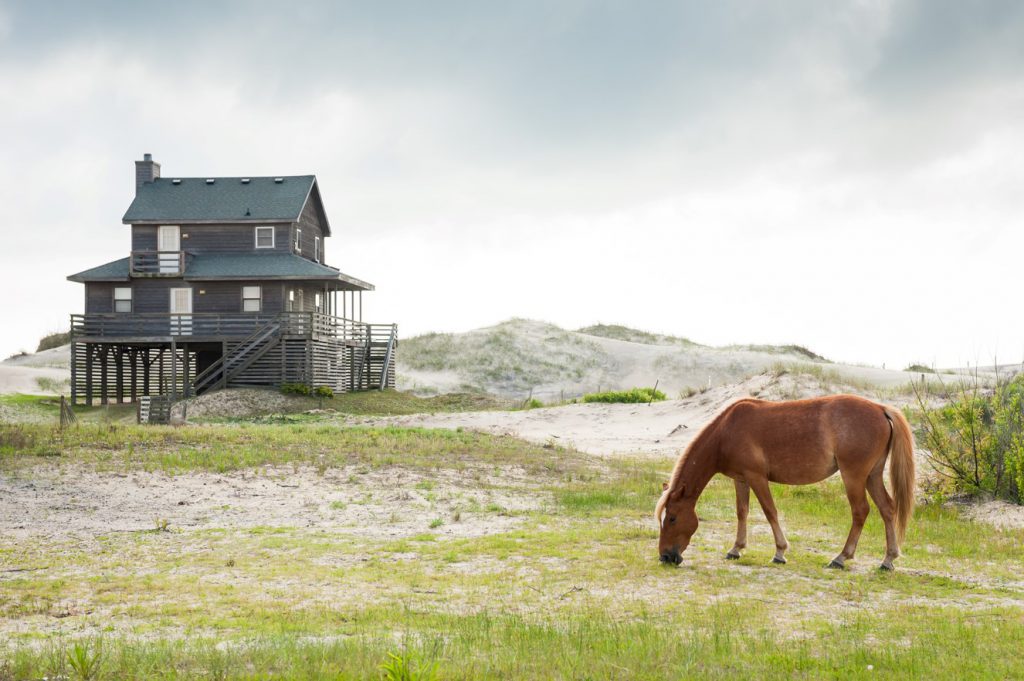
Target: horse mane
[702, 437]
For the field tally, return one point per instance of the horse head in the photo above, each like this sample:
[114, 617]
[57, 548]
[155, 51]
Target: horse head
[677, 516]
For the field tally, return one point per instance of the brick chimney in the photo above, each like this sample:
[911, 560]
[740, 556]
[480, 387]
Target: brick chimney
[146, 171]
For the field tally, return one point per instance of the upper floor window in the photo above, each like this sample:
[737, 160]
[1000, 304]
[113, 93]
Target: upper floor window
[316, 248]
[252, 299]
[264, 237]
[122, 300]
[298, 241]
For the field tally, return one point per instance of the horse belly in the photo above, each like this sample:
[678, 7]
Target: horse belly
[802, 471]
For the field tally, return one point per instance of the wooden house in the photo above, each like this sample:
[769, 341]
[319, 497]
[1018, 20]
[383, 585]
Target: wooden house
[226, 285]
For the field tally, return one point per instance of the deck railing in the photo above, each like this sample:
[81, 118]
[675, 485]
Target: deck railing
[214, 325]
[157, 263]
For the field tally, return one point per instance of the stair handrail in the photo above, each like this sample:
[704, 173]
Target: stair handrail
[387, 357]
[221, 363]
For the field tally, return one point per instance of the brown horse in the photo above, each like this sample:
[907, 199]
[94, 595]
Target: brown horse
[795, 443]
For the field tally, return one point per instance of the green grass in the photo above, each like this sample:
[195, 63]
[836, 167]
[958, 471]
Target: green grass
[570, 588]
[631, 396]
[246, 446]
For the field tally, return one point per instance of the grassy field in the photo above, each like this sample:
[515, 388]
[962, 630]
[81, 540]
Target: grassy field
[556, 577]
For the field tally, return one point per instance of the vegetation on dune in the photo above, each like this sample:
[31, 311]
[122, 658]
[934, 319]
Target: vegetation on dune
[919, 369]
[797, 350]
[975, 438]
[828, 378]
[631, 396]
[54, 340]
[515, 355]
[625, 333]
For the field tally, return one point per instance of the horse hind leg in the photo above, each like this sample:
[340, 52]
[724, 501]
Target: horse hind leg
[859, 509]
[764, 497]
[742, 508]
[884, 503]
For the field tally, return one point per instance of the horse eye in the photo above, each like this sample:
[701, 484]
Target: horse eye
[672, 519]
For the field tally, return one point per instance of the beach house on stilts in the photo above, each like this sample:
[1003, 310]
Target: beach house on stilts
[226, 285]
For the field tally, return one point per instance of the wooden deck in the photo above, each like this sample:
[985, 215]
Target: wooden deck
[121, 357]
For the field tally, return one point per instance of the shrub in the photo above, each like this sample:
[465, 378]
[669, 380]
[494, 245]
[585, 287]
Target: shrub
[54, 340]
[634, 395]
[407, 668]
[533, 403]
[920, 369]
[976, 439]
[295, 389]
[324, 391]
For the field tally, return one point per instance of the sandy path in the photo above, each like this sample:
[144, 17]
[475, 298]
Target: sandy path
[661, 429]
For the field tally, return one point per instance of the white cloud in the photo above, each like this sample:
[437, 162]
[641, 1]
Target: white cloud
[736, 186]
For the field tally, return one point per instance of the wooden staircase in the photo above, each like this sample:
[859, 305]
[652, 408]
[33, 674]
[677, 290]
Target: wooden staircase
[375, 366]
[232, 363]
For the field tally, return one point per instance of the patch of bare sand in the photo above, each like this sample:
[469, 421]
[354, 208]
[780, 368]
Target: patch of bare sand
[56, 503]
[1001, 514]
[660, 429]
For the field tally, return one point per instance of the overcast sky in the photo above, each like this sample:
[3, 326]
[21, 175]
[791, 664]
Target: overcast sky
[845, 176]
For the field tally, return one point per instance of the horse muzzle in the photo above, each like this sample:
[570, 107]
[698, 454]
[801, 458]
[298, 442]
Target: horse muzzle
[671, 556]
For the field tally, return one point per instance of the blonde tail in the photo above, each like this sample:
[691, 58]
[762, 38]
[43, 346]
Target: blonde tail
[901, 469]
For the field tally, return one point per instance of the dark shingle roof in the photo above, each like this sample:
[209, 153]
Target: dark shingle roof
[237, 266]
[226, 199]
[112, 271]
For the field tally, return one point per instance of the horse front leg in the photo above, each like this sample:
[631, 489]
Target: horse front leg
[859, 509]
[742, 508]
[764, 496]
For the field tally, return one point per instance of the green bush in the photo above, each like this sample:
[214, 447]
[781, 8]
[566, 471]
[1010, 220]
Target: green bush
[324, 391]
[920, 369]
[976, 439]
[634, 395]
[295, 389]
[54, 340]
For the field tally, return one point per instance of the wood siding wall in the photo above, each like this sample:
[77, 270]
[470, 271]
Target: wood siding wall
[225, 238]
[153, 295]
[309, 222]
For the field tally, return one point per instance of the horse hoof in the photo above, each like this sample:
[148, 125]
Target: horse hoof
[886, 568]
[779, 561]
[732, 556]
[836, 565]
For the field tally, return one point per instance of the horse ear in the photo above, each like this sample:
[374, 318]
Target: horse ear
[677, 493]
[664, 487]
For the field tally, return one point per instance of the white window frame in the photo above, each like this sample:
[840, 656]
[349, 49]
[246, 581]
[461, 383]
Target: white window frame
[129, 299]
[298, 240]
[256, 236]
[316, 248]
[258, 298]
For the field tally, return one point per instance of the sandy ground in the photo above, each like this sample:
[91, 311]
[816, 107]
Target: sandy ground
[661, 429]
[53, 502]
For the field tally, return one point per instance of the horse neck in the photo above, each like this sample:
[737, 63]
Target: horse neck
[699, 465]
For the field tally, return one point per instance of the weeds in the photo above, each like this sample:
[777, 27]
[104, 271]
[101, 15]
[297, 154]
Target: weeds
[632, 396]
[402, 668]
[85, 660]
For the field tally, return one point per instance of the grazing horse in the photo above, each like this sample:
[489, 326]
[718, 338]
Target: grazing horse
[795, 443]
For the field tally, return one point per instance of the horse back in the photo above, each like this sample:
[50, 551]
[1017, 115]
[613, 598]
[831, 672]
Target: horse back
[802, 441]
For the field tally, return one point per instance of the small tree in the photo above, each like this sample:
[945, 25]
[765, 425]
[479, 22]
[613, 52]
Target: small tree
[975, 439]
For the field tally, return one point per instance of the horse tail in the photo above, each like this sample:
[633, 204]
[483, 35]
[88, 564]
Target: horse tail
[901, 469]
